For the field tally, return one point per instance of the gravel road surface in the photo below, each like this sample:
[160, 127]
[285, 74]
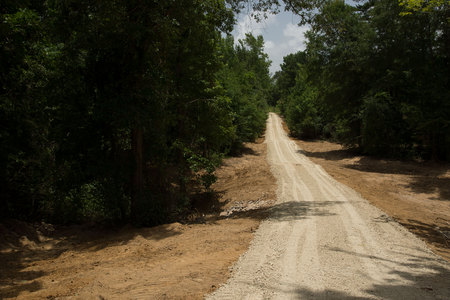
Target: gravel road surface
[324, 241]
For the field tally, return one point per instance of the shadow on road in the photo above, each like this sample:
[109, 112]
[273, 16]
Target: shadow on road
[425, 279]
[333, 155]
[287, 211]
[296, 210]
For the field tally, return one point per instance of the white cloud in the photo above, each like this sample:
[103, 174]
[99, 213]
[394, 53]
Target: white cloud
[269, 45]
[293, 41]
[247, 24]
[295, 37]
[282, 36]
[291, 30]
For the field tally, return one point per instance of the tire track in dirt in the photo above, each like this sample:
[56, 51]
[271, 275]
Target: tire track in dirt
[324, 241]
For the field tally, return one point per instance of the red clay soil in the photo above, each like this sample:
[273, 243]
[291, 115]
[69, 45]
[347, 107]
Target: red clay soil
[173, 261]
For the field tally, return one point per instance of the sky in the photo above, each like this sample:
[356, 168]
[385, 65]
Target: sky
[281, 34]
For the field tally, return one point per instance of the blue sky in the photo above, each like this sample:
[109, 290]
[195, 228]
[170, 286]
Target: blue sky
[281, 34]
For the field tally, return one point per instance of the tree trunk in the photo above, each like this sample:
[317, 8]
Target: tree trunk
[137, 187]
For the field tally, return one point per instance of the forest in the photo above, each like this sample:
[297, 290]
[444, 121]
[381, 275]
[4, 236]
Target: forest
[374, 77]
[116, 111]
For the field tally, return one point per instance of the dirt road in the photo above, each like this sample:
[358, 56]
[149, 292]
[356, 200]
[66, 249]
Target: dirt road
[324, 241]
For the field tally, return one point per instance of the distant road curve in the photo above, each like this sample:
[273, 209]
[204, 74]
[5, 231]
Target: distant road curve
[323, 241]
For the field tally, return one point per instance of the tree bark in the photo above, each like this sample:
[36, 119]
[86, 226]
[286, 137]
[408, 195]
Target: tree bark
[138, 178]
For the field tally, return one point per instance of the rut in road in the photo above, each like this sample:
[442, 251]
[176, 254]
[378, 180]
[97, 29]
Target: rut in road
[324, 241]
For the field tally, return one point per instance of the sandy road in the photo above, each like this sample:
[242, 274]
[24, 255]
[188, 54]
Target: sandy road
[323, 241]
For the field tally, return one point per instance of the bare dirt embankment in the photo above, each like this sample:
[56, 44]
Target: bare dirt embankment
[415, 194]
[174, 261]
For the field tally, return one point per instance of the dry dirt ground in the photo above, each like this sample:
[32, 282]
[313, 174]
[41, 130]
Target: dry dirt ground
[415, 194]
[174, 261]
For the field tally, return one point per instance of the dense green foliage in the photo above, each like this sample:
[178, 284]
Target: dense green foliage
[109, 109]
[114, 110]
[372, 77]
[246, 80]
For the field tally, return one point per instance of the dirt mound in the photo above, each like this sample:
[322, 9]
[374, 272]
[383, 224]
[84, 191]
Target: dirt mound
[18, 235]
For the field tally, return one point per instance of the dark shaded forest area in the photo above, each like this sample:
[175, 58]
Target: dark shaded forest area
[115, 111]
